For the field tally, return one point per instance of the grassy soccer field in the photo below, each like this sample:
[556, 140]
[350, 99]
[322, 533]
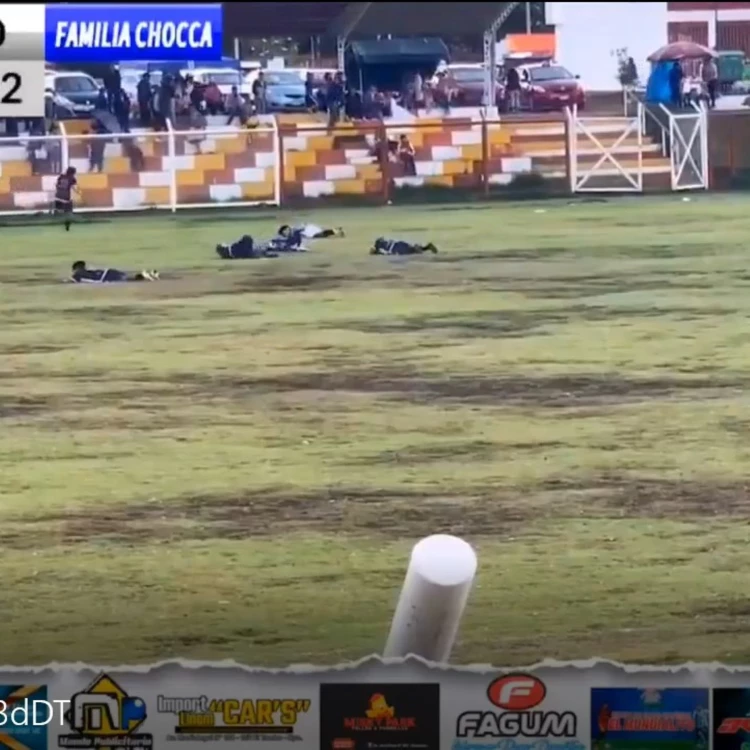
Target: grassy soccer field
[235, 462]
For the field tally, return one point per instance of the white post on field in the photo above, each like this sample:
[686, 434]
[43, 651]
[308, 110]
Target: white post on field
[437, 586]
[172, 152]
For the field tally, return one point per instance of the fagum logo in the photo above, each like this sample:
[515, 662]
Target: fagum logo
[519, 697]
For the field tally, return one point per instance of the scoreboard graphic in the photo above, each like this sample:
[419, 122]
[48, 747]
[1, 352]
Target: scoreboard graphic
[32, 36]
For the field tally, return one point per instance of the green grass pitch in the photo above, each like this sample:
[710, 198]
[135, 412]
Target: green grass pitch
[234, 462]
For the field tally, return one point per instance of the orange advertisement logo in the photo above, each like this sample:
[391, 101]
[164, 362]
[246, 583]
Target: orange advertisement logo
[380, 715]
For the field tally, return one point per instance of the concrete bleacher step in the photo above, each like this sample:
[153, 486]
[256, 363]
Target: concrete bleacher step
[583, 144]
[319, 161]
[658, 167]
[647, 149]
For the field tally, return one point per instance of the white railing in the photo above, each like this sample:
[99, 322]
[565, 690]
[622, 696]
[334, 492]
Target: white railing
[610, 157]
[688, 147]
[139, 171]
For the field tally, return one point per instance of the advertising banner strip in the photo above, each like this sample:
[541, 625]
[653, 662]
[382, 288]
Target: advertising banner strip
[126, 33]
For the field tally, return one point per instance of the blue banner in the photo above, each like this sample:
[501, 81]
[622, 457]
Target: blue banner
[122, 33]
[649, 719]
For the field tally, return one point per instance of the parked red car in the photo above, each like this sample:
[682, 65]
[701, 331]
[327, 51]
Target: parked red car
[550, 87]
[469, 84]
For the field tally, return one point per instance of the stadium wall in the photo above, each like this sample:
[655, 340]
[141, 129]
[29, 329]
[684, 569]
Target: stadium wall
[283, 163]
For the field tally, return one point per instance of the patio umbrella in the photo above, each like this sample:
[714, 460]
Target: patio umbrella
[681, 51]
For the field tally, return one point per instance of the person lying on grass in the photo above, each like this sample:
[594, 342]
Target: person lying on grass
[82, 274]
[245, 248]
[287, 240]
[384, 246]
[291, 239]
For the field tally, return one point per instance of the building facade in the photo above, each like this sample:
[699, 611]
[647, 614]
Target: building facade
[723, 26]
[591, 37]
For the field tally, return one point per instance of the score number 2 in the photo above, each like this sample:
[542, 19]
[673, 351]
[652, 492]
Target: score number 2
[10, 83]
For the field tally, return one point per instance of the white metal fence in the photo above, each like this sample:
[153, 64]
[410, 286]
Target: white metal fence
[605, 153]
[688, 142]
[170, 170]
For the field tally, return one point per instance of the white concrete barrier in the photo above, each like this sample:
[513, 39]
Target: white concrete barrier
[437, 586]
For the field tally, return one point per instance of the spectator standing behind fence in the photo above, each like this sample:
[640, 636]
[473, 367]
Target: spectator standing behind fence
[96, 149]
[414, 96]
[322, 93]
[428, 96]
[710, 76]
[165, 105]
[197, 106]
[113, 85]
[445, 90]
[675, 83]
[370, 108]
[406, 154]
[102, 100]
[310, 103]
[235, 107]
[335, 99]
[213, 98]
[513, 90]
[259, 93]
[54, 150]
[36, 151]
[143, 93]
[122, 111]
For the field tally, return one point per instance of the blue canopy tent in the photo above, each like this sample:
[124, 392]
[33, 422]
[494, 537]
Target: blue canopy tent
[658, 88]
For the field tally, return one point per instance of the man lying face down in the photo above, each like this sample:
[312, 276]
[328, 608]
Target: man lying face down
[287, 240]
[384, 246]
[81, 274]
[245, 248]
[291, 239]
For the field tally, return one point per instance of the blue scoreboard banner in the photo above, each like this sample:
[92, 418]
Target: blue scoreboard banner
[123, 33]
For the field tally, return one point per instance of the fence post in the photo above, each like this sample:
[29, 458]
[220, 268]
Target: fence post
[384, 157]
[672, 148]
[641, 117]
[172, 152]
[485, 175]
[437, 586]
[278, 164]
[571, 116]
[705, 165]
[64, 147]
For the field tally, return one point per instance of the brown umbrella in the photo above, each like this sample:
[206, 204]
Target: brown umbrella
[681, 51]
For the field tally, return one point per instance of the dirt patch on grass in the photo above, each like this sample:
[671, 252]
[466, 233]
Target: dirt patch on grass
[307, 283]
[24, 349]
[409, 384]
[149, 404]
[517, 323]
[580, 287]
[117, 313]
[22, 406]
[472, 450]
[634, 497]
[521, 254]
[260, 515]
[491, 511]
[424, 454]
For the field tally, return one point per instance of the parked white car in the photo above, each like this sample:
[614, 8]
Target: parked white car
[224, 78]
